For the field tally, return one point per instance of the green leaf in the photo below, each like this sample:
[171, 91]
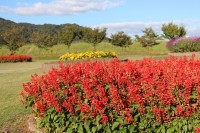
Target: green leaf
[98, 118]
[87, 126]
[136, 117]
[99, 127]
[86, 100]
[69, 130]
[185, 129]
[80, 128]
[94, 129]
[141, 126]
[170, 130]
[63, 129]
[115, 131]
[131, 128]
[123, 130]
[190, 127]
[115, 125]
[120, 120]
[163, 129]
[149, 116]
[107, 128]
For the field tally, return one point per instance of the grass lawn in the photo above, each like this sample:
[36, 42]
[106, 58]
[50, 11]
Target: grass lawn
[56, 51]
[12, 75]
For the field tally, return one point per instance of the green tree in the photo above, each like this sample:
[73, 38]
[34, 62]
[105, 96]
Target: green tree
[121, 39]
[13, 38]
[94, 36]
[44, 39]
[149, 38]
[67, 34]
[171, 31]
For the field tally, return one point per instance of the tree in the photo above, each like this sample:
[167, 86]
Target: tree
[94, 36]
[171, 31]
[121, 39]
[43, 39]
[66, 35]
[13, 38]
[149, 38]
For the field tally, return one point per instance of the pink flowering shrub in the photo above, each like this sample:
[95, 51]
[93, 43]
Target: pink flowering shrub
[184, 44]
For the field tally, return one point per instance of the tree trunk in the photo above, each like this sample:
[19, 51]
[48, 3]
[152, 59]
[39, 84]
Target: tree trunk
[94, 47]
[68, 48]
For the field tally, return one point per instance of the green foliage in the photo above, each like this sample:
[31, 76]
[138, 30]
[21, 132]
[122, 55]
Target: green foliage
[187, 46]
[94, 36]
[67, 34]
[13, 38]
[171, 31]
[149, 38]
[63, 122]
[184, 44]
[121, 39]
[43, 39]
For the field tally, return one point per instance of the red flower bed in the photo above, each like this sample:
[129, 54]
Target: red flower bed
[15, 58]
[116, 94]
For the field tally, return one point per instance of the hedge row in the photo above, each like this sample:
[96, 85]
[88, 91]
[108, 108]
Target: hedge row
[113, 96]
[15, 58]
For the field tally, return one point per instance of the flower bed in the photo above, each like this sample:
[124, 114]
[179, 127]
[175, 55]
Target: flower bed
[87, 55]
[184, 44]
[113, 96]
[15, 58]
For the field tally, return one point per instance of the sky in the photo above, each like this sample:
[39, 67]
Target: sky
[130, 16]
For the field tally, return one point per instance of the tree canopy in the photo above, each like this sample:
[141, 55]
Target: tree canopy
[67, 34]
[149, 38]
[172, 30]
[94, 36]
[13, 38]
[121, 39]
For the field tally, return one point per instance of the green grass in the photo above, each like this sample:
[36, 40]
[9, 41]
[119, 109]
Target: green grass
[10, 87]
[56, 51]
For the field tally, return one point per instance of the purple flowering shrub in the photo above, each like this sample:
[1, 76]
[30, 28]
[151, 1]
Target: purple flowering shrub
[184, 44]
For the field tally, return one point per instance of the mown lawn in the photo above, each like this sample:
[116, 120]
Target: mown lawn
[12, 75]
[56, 51]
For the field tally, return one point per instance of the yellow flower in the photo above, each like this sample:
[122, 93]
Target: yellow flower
[91, 54]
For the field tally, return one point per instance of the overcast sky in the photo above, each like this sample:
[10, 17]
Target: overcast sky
[130, 16]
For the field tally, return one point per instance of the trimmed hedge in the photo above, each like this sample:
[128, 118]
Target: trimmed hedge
[112, 96]
[88, 55]
[184, 44]
[15, 58]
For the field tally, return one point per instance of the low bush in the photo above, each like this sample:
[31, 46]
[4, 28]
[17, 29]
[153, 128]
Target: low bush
[184, 44]
[112, 96]
[87, 55]
[15, 58]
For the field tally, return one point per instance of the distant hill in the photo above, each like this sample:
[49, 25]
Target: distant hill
[28, 28]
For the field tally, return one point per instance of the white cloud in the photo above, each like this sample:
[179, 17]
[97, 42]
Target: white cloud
[194, 31]
[133, 28]
[61, 7]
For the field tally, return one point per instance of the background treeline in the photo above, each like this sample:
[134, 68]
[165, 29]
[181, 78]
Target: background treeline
[15, 35]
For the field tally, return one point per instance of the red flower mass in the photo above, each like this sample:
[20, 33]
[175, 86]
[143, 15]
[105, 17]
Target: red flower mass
[96, 88]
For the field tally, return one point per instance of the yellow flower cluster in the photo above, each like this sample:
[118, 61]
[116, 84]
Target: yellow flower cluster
[86, 55]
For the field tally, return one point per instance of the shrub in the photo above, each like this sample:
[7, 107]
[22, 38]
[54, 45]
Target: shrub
[184, 44]
[87, 55]
[15, 58]
[121, 39]
[113, 96]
